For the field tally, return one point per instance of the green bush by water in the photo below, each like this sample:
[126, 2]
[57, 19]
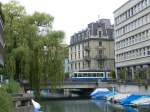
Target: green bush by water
[12, 87]
[6, 103]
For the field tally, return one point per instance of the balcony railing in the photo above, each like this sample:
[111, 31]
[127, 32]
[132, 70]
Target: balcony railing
[100, 57]
[87, 48]
[100, 47]
[87, 58]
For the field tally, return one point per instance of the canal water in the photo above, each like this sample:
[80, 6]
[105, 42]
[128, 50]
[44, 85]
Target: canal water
[86, 106]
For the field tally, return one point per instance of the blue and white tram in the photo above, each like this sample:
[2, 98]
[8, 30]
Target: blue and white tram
[90, 76]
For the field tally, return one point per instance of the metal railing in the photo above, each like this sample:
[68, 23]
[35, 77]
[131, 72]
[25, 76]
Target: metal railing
[87, 58]
[87, 48]
[100, 57]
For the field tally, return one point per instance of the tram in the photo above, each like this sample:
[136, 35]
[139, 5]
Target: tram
[90, 76]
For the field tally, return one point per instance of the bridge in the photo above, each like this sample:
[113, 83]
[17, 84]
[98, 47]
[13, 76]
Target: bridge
[82, 85]
[121, 87]
[85, 88]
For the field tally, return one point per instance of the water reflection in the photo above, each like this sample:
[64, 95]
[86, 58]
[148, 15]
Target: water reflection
[86, 106]
[110, 107]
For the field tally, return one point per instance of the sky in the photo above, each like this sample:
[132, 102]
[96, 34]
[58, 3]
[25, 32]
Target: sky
[72, 16]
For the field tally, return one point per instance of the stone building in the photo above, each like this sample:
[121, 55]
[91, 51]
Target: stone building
[92, 49]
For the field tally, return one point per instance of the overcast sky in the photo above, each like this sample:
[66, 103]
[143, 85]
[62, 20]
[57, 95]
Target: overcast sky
[72, 15]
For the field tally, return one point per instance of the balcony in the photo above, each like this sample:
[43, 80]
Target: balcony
[100, 48]
[86, 48]
[100, 57]
[87, 58]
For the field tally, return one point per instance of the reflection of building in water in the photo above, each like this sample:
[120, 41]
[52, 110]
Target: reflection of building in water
[87, 106]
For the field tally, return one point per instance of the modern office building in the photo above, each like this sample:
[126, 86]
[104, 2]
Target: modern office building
[92, 49]
[1, 38]
[132, 38]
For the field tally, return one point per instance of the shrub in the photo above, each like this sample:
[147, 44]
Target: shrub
[6, 103]
[12, 87]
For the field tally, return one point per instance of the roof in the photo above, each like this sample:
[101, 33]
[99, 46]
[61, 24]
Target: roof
[89, 39]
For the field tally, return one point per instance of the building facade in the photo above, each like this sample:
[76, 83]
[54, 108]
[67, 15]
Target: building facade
[1, 38]
[66, 65]
[132, 39]
[92, 49]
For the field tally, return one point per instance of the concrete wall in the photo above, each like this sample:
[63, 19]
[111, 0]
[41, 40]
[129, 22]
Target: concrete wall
[133, 89]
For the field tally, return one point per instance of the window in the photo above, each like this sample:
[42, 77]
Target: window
[83, 53]
[79, 65]
[100, 34]
[71, 56]
[79, 55]
[79, 47]
[75, 56]
[148, 52]
[100, 43]
[75, 66]
[100, 52]
[75, 48]
[83, 65]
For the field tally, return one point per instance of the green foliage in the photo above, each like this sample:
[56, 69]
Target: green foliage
[67, 75]
[42, 19]
[12, 87]
[26, 58]
[139, 75]
[123, 74]
[113, 75]
[6, 104]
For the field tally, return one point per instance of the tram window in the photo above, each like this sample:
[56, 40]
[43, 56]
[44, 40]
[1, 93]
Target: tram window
[94, 74]
[75, 75]
[79, 75]
[89, 75]
[100, 74]
[85, 74]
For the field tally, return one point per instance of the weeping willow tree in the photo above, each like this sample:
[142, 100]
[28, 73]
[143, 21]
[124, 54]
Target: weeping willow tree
[14, 39]
[26, 38]
[54, 58]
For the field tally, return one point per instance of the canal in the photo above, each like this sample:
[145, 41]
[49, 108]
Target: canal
[86, 106]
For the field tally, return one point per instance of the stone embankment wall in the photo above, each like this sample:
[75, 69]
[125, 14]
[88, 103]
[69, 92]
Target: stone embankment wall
[24, 109]
[133, 89]
[22, 102]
